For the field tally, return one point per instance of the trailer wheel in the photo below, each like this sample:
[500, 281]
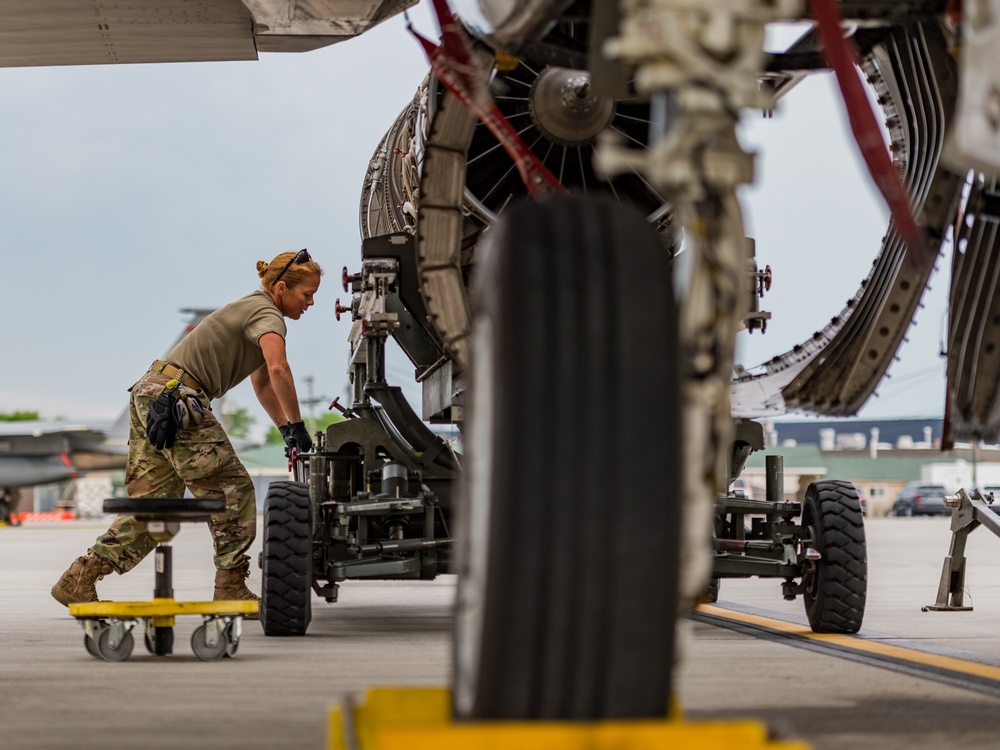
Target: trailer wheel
[711, 593]
[836, 584]
[286, 560]
[568, 580]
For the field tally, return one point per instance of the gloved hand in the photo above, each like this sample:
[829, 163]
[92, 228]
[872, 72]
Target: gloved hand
[296, 436]
[161, 424]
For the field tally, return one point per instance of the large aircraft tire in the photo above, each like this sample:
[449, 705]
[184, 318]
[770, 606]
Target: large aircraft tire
[286, 560]
[568, 581]
[836, 588]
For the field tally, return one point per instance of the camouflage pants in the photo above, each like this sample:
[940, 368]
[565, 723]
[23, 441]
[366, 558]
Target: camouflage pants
[202, 460]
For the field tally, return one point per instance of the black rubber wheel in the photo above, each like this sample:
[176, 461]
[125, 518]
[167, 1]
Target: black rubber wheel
[711, 593]
[836, 585]
[286, 560]
[162, 644]
[570, 526]
[9, 514]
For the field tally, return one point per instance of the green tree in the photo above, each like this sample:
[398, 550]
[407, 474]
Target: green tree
[273, 436]
[19, 416]
[238, 422]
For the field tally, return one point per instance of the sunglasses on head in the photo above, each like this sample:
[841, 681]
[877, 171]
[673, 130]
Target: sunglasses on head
[302, 256]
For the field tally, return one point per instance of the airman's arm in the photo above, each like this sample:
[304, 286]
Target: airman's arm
[273, 383]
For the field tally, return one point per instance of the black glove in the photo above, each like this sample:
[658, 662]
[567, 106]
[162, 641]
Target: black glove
[296, 436]
[161, 424]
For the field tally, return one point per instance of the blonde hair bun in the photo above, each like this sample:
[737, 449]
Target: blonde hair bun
[262, 267]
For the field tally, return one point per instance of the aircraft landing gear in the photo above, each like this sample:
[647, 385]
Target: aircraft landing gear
[568, 583]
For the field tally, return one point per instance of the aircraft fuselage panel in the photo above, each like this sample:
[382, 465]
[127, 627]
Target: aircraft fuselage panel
[70, 32]
[94, 32]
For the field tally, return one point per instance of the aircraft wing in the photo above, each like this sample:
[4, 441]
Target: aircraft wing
[90, 32]
[33, 453]
[27, 471]
[40, 452]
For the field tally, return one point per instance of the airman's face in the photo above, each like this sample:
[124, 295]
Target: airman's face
[295, 300]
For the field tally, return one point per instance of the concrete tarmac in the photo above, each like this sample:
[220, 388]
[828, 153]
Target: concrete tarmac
[277, 692]
[841, 704]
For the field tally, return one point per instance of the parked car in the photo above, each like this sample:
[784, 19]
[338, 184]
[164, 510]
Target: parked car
[919, 499]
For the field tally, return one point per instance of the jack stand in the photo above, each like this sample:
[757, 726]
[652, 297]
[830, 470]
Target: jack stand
[420, 719]
[968, 514]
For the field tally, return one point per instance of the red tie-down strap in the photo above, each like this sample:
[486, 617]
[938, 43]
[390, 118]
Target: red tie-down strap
[843, 60]
[452, 62]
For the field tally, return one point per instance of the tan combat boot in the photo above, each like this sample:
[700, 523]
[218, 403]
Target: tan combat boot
[231, 585]
[79, 582]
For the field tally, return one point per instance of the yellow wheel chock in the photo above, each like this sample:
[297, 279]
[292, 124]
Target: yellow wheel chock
[420, 719]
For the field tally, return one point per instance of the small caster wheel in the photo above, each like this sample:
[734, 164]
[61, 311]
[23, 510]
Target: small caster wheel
[234, 628]
[162, 642]
[232, 645]
[201, 648]
[91, 646]
[117, 653]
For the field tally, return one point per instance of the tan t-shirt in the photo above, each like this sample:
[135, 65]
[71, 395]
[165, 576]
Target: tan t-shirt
[224, 348]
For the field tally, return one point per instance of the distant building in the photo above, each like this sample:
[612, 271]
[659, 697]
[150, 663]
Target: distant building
[265, 464]
[855, 433]
[878, 456]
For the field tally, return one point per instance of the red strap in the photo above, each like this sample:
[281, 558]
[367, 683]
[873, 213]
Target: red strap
[452, 62]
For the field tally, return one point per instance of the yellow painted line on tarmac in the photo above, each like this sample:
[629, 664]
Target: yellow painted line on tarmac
[858, 644]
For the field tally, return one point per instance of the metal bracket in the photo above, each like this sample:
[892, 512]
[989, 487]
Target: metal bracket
[968, 514]
[214, 630]
[378, 567]
[118, 629]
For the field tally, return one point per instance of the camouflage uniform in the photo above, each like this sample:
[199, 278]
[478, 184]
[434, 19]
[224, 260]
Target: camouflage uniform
[203, 460]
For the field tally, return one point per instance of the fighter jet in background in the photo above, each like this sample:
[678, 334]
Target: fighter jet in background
[33, 452]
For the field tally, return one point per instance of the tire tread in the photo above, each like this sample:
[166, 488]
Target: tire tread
[838, 605]
[286, 590]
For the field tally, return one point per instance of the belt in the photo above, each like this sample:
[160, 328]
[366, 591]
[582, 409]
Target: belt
[175, 372]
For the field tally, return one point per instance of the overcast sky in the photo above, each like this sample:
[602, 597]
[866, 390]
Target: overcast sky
[127, 193]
